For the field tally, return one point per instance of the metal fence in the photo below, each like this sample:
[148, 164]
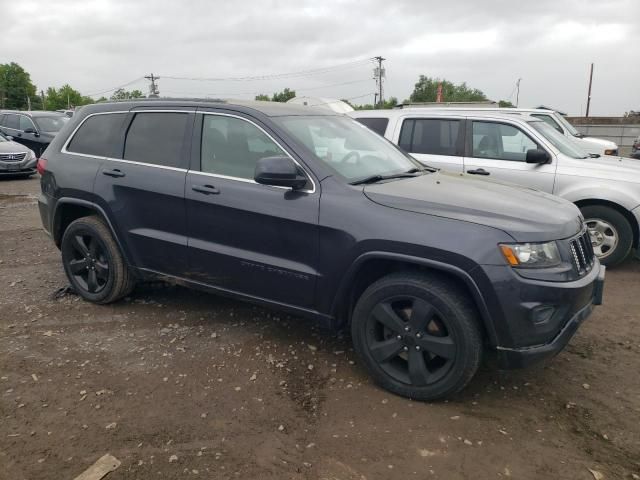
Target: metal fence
[622, 130]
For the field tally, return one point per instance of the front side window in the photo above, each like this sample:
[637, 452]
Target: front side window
[51, 124]
[349, 148]
[26, 123]
[547, 119]
[500, 141]
[430, 136]
[97, 135]
[378, 125]
[232, 147]
[156, 138]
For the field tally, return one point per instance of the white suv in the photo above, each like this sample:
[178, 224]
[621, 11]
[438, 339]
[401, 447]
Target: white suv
[524, 150]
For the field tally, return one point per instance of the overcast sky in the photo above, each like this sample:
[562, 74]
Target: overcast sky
[100, 45]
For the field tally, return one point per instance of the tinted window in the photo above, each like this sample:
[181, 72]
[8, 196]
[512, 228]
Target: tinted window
[98, 135]
[25, 123]
[51, 124]
[378, 125]
[549, 120]
[430, 136]
[232, 147]
[156, 138]
[2, 119]
[500, 141]
[12, 121]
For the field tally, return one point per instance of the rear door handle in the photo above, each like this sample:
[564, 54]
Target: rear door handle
[206, 189]
[113, 173]
[478, 171]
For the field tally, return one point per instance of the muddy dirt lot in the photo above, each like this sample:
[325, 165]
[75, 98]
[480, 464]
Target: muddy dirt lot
[181, 384]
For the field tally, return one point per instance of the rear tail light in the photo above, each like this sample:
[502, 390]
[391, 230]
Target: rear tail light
[41, 167]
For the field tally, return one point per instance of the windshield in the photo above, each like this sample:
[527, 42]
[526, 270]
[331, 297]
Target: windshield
[558, 140]
[51, 124]
[3, 138]
[349, 148]
[567, 126]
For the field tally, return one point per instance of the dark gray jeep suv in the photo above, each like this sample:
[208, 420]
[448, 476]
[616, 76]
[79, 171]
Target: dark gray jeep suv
[314, 214]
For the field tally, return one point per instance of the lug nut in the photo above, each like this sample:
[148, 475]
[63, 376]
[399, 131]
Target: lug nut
[399, 337]
[406, 329]
[405, 348]
[418, 347]
[418, 335]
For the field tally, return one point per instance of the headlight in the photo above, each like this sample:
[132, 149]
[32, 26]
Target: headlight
[611, 151]
[534, 255]
[30, 155]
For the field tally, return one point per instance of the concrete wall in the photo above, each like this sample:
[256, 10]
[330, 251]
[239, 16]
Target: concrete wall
[622, 130]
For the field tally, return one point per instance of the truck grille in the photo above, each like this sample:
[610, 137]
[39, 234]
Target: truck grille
[12, 157]
[582, 252]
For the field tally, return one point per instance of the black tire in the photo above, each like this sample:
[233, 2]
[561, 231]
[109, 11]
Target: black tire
[446, 320]
[93, 262]
[620, 228]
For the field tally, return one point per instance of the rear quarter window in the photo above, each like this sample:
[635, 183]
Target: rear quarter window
[98, 135]
[378, 125]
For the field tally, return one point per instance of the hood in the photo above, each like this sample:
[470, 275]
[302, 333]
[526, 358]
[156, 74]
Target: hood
[527, 215]
[605, 167]
[599, 142]
[12, 147]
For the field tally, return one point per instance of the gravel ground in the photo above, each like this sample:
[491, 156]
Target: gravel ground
[177, 383]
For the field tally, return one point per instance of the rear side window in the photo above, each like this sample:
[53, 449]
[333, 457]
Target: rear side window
[98, 135]
[156, 138]
[26, 123]
[430, 136]
[378, 125]
[12, 121]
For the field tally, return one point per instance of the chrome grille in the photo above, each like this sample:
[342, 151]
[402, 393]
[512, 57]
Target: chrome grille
[12, 157]
[582, 252]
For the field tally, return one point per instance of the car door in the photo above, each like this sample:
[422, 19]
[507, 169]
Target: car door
[11, 127]
[28, 134]
[435, 141]
[142, 188]
[245, 237]
[497, 150]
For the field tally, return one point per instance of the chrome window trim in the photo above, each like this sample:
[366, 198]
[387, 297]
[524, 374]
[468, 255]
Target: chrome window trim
[177, 169]
[247, 180]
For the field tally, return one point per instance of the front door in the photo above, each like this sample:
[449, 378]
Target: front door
[143, 189]
[497, 151]
[244, 237]
[28, 135]
[437, 142]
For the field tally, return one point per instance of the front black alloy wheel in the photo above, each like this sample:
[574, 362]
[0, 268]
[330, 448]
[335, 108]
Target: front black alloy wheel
[417, 335]
[93, 262]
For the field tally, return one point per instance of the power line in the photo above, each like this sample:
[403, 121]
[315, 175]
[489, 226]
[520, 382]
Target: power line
[302, 73]
[114, 88]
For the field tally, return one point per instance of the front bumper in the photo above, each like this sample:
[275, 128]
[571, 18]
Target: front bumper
[18, 168]
[525, 356]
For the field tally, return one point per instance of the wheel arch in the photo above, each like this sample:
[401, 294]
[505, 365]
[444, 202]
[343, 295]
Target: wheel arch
[69, 209]
[619, 208]
[372, 266]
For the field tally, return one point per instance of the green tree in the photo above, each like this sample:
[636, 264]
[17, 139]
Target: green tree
[386, 104]
[122, 94]
[283, 96]
[426, 90]
[65, 97]
[505, 104]
[15, 87]
[263, 97]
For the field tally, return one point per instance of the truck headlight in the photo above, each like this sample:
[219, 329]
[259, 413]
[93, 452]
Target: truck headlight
[611, 151]
[533, 255]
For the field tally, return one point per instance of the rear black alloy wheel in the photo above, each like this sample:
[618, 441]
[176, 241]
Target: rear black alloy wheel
[93, 262]
[88, 263]
[409, 339]
[417, 335]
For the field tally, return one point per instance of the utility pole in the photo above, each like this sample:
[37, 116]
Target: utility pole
[518, 92]
[589, 94]
[153, 88]
[28, 103]
[378, 75]
[44, 105]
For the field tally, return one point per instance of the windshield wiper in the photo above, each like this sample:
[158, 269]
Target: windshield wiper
[379, 178]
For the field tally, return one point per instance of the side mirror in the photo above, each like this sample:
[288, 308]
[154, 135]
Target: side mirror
[279, 172]
[538, 156]
[30, 130]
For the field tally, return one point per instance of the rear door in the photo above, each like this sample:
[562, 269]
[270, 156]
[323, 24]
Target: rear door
[28, 134]
[435, 141]
[11, 126]
[245, 237]
[142, 188]
[497, 150]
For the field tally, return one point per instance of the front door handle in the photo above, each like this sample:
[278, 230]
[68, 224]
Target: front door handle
[206, 189]
[113, 173]
[478, 171]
